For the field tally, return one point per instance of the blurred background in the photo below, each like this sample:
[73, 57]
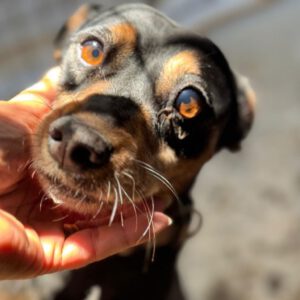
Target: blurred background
[249, 244]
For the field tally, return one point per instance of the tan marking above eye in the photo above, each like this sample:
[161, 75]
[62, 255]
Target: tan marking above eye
[182, 63]
[124, 34]
[123, 39]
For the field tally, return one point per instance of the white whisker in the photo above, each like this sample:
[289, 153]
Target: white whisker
[100, 206]
[76, 193]
[153, 233]
[149, 218]
[60, 219]
[98, 210]
[108, 190]
[151, 244]
[122, 218]
[33, 174]
[120, 198]
[133, 182]
[43, 199]
[56, 206]
[119, 188]
[159, 177]
[81, 200]
[131, 201]
[114, 210]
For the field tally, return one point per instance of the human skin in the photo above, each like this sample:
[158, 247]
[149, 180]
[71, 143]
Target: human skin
[31, 243]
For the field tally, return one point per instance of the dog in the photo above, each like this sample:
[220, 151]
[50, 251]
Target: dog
[143, 105]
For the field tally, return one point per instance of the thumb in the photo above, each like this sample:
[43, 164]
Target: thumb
[18, 119]
[31, 104]
[94, 244]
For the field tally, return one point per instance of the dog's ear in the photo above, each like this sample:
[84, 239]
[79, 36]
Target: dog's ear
[83, 14]
[242, 116]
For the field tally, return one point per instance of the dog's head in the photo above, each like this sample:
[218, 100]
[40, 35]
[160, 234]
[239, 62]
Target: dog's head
[143, 105]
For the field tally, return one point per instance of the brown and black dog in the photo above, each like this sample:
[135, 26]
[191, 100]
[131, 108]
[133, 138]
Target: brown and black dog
[143, 105]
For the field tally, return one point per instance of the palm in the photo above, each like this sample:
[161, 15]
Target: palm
[39, 238]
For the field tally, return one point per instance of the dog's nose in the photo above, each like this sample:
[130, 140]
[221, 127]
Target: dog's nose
[76, 146]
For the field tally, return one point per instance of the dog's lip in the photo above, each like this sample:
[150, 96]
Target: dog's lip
[104, 217]
[91, 218]
[122, 213]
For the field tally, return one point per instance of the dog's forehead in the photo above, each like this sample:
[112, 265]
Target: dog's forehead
[147, 21]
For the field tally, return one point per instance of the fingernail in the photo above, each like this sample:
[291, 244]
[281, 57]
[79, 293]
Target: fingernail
[53, 75]
[49, 80]
[162, 221]
[170, 221]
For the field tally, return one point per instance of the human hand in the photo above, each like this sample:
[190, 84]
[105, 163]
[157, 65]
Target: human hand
[31, 243]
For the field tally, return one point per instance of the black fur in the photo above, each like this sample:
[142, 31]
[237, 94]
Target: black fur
[134, 84]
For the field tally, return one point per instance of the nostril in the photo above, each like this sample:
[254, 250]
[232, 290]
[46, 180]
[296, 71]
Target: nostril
[56, 134]
[96, 158]
[87, 157]
[80, 155]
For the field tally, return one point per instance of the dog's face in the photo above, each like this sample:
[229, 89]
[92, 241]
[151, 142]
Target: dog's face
[143, 105]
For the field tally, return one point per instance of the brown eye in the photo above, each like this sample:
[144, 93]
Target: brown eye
[189, 103]
[92, 52]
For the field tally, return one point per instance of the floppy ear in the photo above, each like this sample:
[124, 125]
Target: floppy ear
[242, 117]
[83, 14]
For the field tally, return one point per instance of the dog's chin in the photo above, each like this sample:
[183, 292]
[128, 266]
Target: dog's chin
[91, 210]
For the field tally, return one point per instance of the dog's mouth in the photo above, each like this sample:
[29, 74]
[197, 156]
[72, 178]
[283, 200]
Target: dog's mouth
[104, 213]
[112, 204]
[89, 199]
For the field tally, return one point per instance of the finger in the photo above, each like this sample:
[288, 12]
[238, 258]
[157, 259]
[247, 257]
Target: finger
[18, 119]
[31, 104]
[90, 245]
[20, 250]
[45, 88]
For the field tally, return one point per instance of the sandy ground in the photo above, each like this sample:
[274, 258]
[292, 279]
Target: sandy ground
[249, 245]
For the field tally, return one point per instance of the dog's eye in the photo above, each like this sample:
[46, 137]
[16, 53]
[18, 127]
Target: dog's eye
[92, 52]
[189, 103]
